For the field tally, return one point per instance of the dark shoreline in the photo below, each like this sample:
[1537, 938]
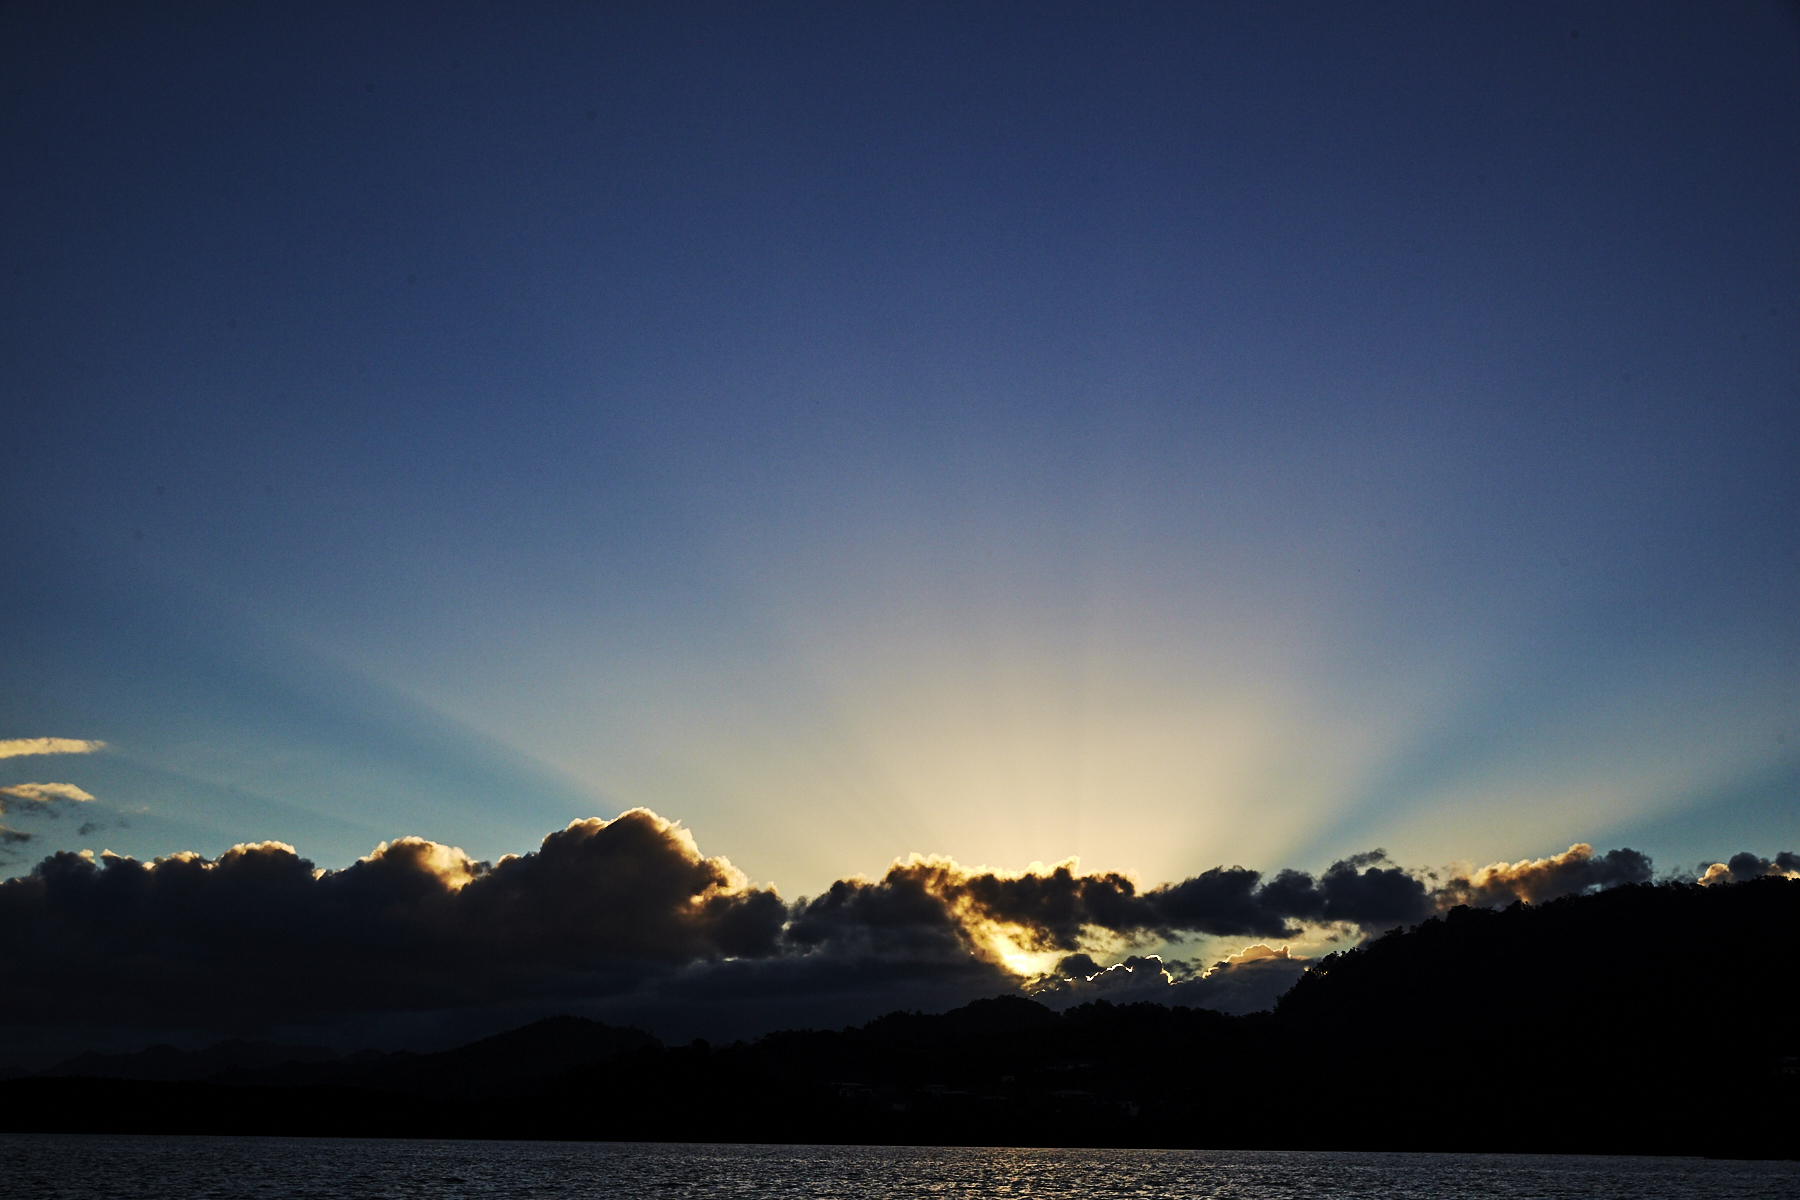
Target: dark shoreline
[90, 1106]
[1071, 1147]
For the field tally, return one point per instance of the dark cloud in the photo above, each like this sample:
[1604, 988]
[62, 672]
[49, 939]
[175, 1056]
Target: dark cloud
[1078, 979]
[1746, 866]
[936, 897]
[1077, 966]
[1363, 890]
[414, 926]
[1242, 987]
[1226, 901]
[908, 913]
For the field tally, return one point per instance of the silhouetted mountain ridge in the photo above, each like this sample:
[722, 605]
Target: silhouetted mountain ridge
[535, 1052]
[168, 1064]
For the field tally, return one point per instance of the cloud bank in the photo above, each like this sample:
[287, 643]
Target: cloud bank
[629, 913]
[1059, 908]
[414, 926]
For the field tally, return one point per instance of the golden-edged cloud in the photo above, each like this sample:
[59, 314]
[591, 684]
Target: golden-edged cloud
[1576, 869]
[1257, 953]
[1748, 866]
[20, 747]
[45, 793]
[449, 865]
[1248, 981]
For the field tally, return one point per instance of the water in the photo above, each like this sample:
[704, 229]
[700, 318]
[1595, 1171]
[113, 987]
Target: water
[85, 1166]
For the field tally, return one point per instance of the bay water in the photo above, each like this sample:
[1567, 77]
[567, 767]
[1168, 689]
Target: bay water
[79, 1167]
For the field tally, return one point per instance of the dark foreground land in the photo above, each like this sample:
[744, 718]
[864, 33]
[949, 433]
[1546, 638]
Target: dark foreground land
[1642, 1020]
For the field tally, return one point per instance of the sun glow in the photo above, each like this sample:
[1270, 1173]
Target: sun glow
[1026, 963]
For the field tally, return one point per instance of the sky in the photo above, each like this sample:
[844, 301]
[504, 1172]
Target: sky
[1172, 436]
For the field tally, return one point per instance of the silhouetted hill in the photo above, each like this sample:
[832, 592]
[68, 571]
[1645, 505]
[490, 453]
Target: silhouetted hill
[1674, 978]
[167, 1064]
[1634, 1017]
[1652, 1019]
[502, 1063]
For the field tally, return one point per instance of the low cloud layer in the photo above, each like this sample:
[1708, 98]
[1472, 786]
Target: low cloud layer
[414, 926]
[19, 747]
[629, 917]
[1245, 982]
[1060, 908]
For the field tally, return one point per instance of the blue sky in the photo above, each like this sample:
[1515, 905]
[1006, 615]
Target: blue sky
[1171, 435]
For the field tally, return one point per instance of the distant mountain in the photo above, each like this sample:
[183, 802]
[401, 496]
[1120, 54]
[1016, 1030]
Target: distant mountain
[167, 1064]
[1651, 1019]
[506, 1061]
[502, 1064]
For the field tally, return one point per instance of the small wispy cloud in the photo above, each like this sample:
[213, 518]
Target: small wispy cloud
[37, 800]
[19, 747]
[44, 793]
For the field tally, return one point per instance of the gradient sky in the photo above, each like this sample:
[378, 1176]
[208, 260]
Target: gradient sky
[1170, 435]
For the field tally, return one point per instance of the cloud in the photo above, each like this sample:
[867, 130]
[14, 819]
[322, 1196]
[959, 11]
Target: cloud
[935, 901]
[39, 799]
[17, 747]
[1576, 869]
[43, 793]
[1364, 890]
[1256, 953]
[259, 933]
[1058, 908]
[1225, 901]
[1248, 981]
[1747, 866]
[1078, 980]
